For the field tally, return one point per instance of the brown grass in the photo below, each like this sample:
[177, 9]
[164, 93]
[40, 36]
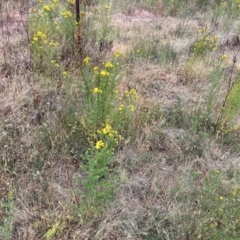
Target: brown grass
[152, 161]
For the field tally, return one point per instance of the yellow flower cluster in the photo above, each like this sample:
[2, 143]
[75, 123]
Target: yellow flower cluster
[39, 36]
[132, 92]
[57, 26]
[206, 43]
[202, 30]
[107, 129]
[52, 43]
[108, 65]
[104, 73]
[117, 54]
[99, 144]
[106, 132]
[97, 90]
[224, 56]
[71, 1]
[219, 198]
[121, 107]
[86, 60]
[107, 7]
[132, 108]
[66, 14]
[235, 191]
[55, 63]
[47, 8]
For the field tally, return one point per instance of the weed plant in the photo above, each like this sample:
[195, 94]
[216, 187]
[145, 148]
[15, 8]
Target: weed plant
[210, 210]
[204, 44]
[105, 111]
[52, 30]
[8, 207]
[156, 52]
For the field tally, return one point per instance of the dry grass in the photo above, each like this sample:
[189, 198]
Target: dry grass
[166, 146]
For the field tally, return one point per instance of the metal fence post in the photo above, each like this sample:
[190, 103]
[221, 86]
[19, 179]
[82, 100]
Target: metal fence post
[78, 11]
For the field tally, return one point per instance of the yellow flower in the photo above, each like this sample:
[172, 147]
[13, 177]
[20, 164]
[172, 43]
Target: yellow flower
[97, 90]
[52, 43]
[212, 225]
[99, 144]
[117, 54]
[132, 108]
[114, 133]
[132, 92]
[138, 51]
[66, 14]
[108, 65]
[219, 198]
[35, 38]
[86, 60]
[46, 8]
[104, 73]
[107, 129]
[10, 195]
[65, 73]
[121, 107]
[40, 35]
[56, 65]
[71, 1]
[224, 56]
[106, 7]
[96, 68]
[234, 192]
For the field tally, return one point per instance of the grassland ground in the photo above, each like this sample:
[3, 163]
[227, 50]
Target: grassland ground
[174, 171]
